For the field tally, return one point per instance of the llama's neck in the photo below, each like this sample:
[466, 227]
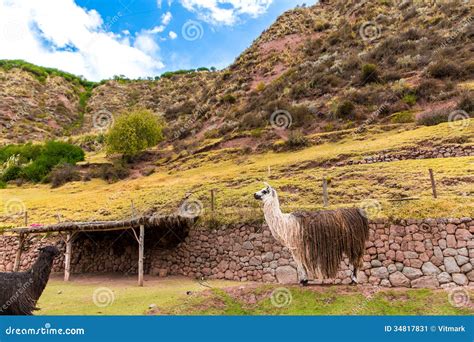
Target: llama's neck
[40, 272]
[274, 216]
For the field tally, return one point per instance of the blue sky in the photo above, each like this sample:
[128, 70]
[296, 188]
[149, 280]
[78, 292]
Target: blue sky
[137, 38]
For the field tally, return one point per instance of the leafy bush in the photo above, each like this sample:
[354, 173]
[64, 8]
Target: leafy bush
[402, 117]
[296, 140]
[466, 104]
[11, 173]
[369, 73]
[432, 118]
[36, 161]
[134, 132]
[345, 110]
[112, 172]
[443, 69]
[63, 174]
[228, 98]
[409, 99]
[3, 185]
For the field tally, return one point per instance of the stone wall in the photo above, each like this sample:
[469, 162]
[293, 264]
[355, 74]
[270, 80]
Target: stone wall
[442, 151]
[409, 253]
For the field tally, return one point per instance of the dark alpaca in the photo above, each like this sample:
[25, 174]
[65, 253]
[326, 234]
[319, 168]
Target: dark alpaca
[20, 291]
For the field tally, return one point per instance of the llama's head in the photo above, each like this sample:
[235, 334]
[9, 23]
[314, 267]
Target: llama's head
[49, 251]
[266, 194]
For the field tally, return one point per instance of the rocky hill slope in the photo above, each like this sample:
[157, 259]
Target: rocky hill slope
[330, 66]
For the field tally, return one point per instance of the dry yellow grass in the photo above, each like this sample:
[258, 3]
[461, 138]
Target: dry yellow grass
[236, 178]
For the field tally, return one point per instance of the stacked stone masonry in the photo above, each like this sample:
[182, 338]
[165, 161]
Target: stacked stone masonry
[415, 153]
[410, 253]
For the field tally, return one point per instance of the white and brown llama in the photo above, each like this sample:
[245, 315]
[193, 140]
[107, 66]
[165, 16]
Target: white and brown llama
[319, 240]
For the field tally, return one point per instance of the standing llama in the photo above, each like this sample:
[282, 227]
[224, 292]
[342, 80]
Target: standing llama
[20, 291]
[317, 240]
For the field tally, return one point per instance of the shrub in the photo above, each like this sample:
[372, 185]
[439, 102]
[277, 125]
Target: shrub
[369, 73]
[134, 132]
[228, 98]
[113, 172]
[427, 88]
[345, 110]
[443, 69]
[3, 185]
[296, 140]
[432, 118]
[12, 173]
[466, 104]
[402, 117]
[63, 174]
[260, 87]
[409, 99]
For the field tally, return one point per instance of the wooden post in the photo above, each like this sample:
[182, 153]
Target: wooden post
[26, 218]
[433, 184]
[325, 192]
[133, 209]
[141, 245]
[67, 257]
[213, 201]
[16, 265]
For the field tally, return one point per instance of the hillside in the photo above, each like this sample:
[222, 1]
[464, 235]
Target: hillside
[359, 83]
[310, 62]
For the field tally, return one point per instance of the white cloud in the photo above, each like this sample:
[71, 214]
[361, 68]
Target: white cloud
[166, 18]
[63, 35]
[227, 12]
[173, 35]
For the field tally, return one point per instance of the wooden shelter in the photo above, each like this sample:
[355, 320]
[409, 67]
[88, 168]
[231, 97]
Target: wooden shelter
[175, 223]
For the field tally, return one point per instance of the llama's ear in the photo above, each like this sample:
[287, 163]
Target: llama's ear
[274, 193]
[267, 185]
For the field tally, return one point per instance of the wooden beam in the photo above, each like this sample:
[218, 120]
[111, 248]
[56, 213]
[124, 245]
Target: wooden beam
[67, 257]
[141, 248]
[16, 265]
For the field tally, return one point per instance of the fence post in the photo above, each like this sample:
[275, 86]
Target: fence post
[26, 218]
[433, 184]
[325, 192]
[213, 201]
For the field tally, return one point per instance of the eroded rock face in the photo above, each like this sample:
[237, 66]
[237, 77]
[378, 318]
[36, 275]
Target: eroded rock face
[220, 254]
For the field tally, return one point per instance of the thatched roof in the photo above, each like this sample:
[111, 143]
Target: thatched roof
[150, 222]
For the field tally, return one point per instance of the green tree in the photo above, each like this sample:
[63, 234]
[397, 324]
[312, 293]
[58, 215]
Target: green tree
[134, 132]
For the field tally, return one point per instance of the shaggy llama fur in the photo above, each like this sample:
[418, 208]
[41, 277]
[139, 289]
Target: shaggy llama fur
[318, 241]
[20, 291]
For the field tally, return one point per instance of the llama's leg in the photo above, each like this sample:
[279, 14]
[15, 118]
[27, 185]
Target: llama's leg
[354, 275]
[302, 275]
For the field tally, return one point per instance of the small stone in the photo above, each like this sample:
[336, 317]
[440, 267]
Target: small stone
[412, 273]
[450, 265]
[286, 275]
[444, 278]
[425, 282]
[461, 260]
[460, 279]
[429, 269]
[399, 280]
[380, 272]
[450, 252]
